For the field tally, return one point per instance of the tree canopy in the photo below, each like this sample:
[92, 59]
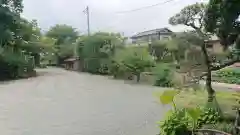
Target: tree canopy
[63, 33]
[222, 18]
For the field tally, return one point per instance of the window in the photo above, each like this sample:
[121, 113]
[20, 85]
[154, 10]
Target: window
[165, 38]
[209, 45]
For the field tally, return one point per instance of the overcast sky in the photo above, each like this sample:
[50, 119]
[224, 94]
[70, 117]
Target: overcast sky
[104, 14]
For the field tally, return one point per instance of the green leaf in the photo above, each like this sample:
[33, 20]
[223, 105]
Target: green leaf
[194, 113]
[168, 96]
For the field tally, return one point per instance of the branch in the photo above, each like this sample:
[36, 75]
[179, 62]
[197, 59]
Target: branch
[225, 65]
[221, 66]
[192, 25]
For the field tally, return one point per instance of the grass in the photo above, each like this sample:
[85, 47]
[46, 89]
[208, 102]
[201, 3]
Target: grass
[225, 99]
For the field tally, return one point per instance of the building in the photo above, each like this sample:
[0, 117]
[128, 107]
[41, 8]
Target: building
[214, 45]
[74, 64]
[152, 35]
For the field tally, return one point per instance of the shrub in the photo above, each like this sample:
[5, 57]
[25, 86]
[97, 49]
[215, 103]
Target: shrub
[209, 116]
[14, 65]
[163, 74]
[184, 121]
[177, 123]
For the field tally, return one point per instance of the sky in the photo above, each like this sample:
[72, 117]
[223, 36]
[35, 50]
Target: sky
[105, 15]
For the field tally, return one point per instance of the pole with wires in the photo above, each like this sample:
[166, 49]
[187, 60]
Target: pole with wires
[86, 11]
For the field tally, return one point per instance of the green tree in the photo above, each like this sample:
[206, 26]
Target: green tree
[10, 15]
[134, 60]
[169, 50]
[222, 18]
[96, 51]
[65, 35]
[15, 35]
[193, 16]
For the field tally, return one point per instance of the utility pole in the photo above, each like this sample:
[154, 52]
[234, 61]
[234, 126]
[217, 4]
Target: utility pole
[86, 11]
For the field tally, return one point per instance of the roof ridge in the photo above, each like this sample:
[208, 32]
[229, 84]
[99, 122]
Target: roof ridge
[157, 29]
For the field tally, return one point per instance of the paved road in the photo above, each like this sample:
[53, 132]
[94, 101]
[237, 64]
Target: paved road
[66, 103]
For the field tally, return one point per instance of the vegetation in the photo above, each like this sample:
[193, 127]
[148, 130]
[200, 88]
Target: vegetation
[188, 119]
[164, 75]
[97, 50]
[19, 41]
[65, 36]
[228, 75]
[132, 60]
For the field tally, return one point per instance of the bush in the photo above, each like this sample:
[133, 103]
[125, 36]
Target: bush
[14, 65]
[209, 116]
[228, 75]
[176, 123]
[163, 75]
[183, 121]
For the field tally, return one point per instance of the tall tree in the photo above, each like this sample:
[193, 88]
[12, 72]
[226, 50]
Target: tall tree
[222, 18]
[9, 20]
[64, 35]
[193, 16]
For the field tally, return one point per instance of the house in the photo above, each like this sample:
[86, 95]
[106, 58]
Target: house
[152, 35]
[214, 45]
[73, 63]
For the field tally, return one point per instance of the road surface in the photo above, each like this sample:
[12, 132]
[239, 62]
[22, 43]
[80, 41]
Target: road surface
[61, 102]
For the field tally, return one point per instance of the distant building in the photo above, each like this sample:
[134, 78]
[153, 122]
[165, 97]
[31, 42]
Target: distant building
[214, 45]
[152, 35]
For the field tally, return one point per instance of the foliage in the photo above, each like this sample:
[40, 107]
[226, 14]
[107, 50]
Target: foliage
[186, 120]
[169, 50]
[18, 40]
[96, 50]
[10, 14]
[210, 116]
[164, 75]
[62, 33]
[222, 18]
[193, 16]
[176, 123]
[228, 75]
[14, 65]
[133, 59]
[221, 126]
[167, 97]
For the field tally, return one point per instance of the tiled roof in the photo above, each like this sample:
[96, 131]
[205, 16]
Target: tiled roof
[155, 31]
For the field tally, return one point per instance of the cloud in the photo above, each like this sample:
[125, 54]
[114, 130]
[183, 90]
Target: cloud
[104, 14]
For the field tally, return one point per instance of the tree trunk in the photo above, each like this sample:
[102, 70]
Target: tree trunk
[207, 62]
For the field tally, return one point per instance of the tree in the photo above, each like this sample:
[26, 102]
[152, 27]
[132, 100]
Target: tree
[169, 50]
[193, 16]
[96, 51]
[9, 15]
[134, 60]
[222, 18]
[64, 35]
[13, 37]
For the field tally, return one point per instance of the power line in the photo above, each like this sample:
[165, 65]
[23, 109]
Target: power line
[146, 7]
